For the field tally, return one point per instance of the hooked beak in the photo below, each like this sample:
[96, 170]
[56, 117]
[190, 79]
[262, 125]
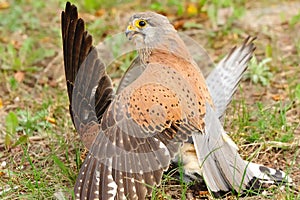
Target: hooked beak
[130, 31]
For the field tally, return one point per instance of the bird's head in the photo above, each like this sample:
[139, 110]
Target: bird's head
[151, 31]
[148, 28]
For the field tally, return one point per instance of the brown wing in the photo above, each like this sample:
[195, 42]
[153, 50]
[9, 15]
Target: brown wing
[77, 47]
[129, 155]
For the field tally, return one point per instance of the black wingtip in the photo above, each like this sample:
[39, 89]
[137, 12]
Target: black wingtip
[70, 11]
[248, 42]
[69, 14]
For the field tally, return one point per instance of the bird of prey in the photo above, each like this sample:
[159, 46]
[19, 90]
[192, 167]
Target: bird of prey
[162, 108]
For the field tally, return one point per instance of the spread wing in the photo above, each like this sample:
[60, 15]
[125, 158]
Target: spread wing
[222, 82]
[129, 156]
[81, 62]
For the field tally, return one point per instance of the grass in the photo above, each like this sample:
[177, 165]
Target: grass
[40, 153]
[264, 123]
[175, 176]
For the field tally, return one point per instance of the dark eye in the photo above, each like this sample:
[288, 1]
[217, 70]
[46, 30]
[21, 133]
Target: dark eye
[142, 23]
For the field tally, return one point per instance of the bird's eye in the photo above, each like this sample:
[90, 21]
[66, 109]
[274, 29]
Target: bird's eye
[141, 23]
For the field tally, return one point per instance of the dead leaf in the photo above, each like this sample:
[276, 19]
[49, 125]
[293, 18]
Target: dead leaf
[52, 83]
[50, 120]
[4, 5]
[277, 97]
[19, 76]
[100, 12]
[36, 138]
[178, 24]
[16, 44]
[2, 173]
[280, 85]
[1, 103]
[258, 94]
[203, 193]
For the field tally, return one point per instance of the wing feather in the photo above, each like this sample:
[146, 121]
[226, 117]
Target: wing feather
[81, 63]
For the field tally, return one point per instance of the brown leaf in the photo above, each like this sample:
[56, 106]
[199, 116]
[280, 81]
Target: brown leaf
[178, 24]
[19, 76]
[53, 83]
[277, 97]
[280, 85]
[2, 173]
[16, 44]
[50, 120]
[4, 5]
[203, 193]
[100, 12]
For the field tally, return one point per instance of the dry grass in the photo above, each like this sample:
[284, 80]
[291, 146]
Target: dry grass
[39, 149]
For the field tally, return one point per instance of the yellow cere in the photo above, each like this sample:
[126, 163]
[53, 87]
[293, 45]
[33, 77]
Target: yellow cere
[130, 28]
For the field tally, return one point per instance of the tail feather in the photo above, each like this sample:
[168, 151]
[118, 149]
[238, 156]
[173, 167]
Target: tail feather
[222, 167]
[269, 175]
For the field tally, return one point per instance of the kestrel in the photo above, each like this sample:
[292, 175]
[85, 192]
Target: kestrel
[162, 104]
